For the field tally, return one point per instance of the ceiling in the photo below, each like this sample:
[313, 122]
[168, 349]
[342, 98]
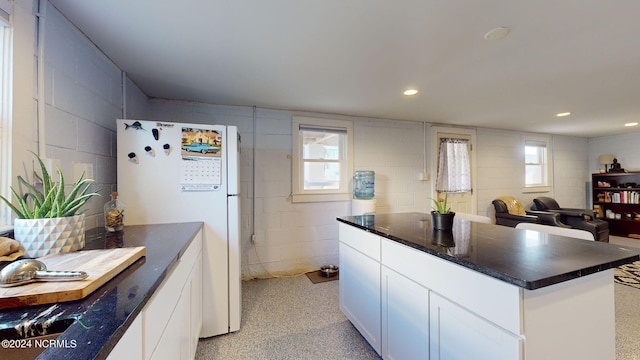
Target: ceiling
[356, 57]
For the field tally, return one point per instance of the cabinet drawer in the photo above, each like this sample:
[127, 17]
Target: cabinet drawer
[483, 295]
[363, 241]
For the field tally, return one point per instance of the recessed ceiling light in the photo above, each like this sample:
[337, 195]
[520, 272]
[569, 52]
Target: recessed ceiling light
[631, 124]
[496, 34]
[563, 114]
[410, 92]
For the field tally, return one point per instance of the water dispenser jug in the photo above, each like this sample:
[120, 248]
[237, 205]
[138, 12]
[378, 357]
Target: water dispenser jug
[364, 184]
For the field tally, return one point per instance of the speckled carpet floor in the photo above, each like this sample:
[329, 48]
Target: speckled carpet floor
[289, 318]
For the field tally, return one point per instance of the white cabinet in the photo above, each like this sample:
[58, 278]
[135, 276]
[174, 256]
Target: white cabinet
[169, 325]
[195, 310]
[399, 299]
[409, 304]
[360, 293]
[173, 343]
[169, 314]
[457, 334]
[129, 346]
[405, 317]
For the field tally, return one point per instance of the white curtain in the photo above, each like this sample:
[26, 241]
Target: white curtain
[454, 171]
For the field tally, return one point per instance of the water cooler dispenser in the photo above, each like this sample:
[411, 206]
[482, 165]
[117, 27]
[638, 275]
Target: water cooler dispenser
[363, 193]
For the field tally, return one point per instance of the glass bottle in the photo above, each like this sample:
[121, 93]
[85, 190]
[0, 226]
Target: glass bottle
[114, 214]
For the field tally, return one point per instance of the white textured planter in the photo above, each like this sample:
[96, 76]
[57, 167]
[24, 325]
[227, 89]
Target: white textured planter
[41, 237]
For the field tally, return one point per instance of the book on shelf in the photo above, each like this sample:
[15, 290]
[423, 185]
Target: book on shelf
[622, 197]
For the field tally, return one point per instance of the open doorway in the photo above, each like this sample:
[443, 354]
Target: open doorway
[461, 197]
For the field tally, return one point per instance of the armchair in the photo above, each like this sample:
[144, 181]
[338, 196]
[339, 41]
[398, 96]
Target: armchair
[510, 212]
[583, 219]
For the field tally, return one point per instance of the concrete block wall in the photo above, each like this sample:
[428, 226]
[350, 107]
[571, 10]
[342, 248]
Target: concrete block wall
[500, 169]
[571, 182]
[500, 155]
[293, 238]
[623, 147]
[297, 237]
[395, 151]
[83, 95]
[23, 123]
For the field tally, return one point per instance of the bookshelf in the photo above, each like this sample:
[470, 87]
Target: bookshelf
[616, 199]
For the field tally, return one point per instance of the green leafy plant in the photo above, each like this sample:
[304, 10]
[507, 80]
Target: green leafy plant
[52, 201]
[441, 206]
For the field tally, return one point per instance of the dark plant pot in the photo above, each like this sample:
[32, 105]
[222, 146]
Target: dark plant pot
[442, 221]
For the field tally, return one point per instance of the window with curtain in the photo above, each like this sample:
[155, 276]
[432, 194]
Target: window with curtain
[454, 169]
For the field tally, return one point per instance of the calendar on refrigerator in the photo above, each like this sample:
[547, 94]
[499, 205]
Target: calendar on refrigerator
[200, 174]
[201, 167]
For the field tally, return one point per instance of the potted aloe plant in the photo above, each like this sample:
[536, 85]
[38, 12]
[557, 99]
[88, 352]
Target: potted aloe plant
[50, 221]
[442, 216]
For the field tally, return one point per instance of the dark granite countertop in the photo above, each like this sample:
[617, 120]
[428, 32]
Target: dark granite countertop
[525, 258]
[100, 319]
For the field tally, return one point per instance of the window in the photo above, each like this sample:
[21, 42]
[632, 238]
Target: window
[321, 159]
[537, 169]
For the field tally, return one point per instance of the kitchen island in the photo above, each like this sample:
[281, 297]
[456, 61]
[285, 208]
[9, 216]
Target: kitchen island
[480, 291]
[109, 322]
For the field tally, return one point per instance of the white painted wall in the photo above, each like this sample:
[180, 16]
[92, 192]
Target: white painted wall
[298, 237]
[84, 97]
[572, 180]
[395, 150]
[82, 94]
[23, 129]
[625, 148]
[294, 238]
[501, 170]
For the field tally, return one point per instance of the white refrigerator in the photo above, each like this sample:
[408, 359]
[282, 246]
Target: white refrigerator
[175, 172]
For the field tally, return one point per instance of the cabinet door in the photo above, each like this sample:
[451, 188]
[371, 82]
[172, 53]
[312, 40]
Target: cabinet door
[457, 334]
[360, 293]
[405, 317]
[130, 345]
[174, 343]
[196, 305]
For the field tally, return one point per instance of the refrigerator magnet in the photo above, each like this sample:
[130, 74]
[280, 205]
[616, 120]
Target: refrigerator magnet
[133, 158]
[167, 149]
[135, 126]
[156, 134]
[149, 150]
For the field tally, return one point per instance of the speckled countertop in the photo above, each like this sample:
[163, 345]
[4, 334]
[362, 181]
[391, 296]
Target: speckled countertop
[100, 319]
[525, 258]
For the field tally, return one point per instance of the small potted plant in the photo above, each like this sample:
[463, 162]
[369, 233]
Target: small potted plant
[442, 216]
[50, 221]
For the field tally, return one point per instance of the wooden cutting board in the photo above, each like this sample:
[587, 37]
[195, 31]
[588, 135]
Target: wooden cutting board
[100, 265]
